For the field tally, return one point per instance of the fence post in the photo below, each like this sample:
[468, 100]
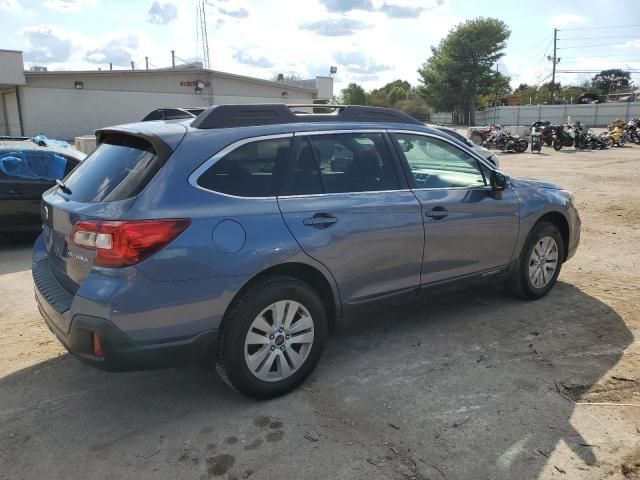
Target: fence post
[539, 112]
[564, 114]
[626, 112]
[595, 116]
[518, 115]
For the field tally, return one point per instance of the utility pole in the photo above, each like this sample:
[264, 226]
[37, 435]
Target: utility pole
[554, 60]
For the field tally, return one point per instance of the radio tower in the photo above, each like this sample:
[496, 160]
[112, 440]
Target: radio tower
[201, 18]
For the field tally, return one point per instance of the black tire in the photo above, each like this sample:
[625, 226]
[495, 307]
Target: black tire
[231, 364]
[519, 282]
[522, 146]
[557, 145]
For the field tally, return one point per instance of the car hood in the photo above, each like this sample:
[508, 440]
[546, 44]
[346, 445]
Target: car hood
[533, 183]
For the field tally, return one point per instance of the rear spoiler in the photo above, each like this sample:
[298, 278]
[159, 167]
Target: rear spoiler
[163, 150]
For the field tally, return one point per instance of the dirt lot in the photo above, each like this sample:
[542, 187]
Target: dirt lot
[473, 386]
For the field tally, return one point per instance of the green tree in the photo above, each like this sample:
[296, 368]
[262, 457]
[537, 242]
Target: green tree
[608, 81]
[460, 67]
[286, 78]
[354, 94]
[398, 93]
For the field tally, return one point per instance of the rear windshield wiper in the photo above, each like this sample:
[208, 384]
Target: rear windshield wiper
[63, 187]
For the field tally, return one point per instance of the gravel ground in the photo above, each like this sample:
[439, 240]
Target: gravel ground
[476, 385]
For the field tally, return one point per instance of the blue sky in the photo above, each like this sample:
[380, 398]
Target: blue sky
[371, 42]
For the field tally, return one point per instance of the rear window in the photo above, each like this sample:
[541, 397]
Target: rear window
[118, 169]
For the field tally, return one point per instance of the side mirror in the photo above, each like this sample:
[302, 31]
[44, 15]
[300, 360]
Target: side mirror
[499, 181]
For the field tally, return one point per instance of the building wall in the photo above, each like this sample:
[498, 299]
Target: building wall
[166, 81]
[11, 68]
[65, 113]
[52, 105]
[10, 113]
[68, 113]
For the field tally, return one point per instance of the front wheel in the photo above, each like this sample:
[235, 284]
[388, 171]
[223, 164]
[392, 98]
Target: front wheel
[557, 144]
[272, 337]
[539, 263]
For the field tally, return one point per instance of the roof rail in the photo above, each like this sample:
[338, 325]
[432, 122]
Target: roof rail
[226, 116]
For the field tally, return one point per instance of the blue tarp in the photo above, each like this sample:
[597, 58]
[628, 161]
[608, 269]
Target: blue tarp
[33, 164]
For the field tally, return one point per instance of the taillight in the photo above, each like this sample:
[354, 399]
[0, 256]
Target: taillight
[120, 244]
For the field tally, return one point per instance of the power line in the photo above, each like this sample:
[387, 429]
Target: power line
[597, 38]
[625, 55]
[587, 46]
[591, 71]
[598, 28]
[537, 45]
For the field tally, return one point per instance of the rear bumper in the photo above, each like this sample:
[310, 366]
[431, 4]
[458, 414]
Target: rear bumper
[121, 352]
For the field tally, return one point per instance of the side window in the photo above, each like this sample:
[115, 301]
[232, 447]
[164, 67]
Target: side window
[436, 163]
[340, 163]
[251, 170]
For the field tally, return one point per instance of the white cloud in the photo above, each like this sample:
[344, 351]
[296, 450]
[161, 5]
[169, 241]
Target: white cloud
[630, 44]
[566, 19]
[335, 27]
[10, 5]
[358, 63]
[47, 44]
[253, 57]
[119, 50]
[162, 12]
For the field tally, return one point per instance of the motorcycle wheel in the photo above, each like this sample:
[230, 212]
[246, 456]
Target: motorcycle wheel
[557, 145]
[548, 142]
[522, 146]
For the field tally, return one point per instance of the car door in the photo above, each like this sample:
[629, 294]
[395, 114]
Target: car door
[20, 202]
[344, 201]
[469, 227]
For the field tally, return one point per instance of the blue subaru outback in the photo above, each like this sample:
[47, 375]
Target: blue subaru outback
[242, 237]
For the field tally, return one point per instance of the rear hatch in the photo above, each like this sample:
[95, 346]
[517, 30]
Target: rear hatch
[103, 187]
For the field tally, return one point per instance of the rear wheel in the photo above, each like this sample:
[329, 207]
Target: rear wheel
[522, 146]
[272, 337]
[539, 263]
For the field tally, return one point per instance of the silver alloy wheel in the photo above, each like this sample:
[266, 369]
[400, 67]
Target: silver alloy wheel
[278, 341]
[543, 262]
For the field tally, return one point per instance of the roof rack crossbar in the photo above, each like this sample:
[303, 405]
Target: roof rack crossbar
[227, 116]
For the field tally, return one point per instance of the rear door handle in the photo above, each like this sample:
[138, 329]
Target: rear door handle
[437, 213]
[320, 220]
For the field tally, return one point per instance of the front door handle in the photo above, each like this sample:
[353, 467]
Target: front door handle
[16, 192]
[437, 213]
[320, 220]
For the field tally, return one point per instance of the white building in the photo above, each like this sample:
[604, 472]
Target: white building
[65, 104]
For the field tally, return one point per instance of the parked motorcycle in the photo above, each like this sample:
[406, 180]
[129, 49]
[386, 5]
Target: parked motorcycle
[536, 142]
[501, 140]
[581, 139]
[597, 142]
[545, 129]
[632, 129]
[562, 137]
[479, 135]
[615, 137]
